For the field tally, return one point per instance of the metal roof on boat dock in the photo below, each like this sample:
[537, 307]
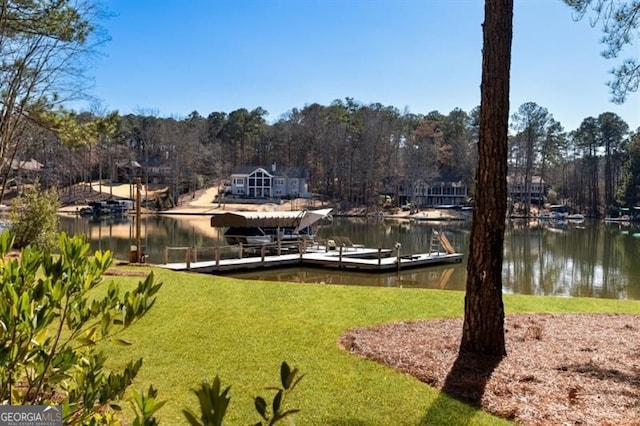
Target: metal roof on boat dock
[290, 219]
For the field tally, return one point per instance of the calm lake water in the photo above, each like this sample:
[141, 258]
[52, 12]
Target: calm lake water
[591, 259]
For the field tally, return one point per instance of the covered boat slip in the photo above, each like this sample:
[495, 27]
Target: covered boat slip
[281, 219]
[261, 227]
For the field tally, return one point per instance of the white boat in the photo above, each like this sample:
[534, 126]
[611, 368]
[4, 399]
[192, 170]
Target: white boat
[575, 218]
[246, 236]
[107, 208]
[553, 216]
[289, 233]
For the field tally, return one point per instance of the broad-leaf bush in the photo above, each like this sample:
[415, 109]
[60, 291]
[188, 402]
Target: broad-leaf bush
[51, 322]
[145, 406]
[277, 412]
[214, 401]
[33, 218]
[213, 404]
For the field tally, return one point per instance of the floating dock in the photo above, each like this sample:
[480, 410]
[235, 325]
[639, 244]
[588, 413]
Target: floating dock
[347, 258]
[382, 264]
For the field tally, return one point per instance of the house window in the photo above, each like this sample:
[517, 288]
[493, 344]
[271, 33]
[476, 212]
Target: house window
[278, 181]
[259, 184]
[238, 181]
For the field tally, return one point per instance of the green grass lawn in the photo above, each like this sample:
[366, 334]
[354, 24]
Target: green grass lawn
[203, 326]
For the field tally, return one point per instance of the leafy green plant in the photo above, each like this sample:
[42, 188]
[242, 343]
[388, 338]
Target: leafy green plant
[51, 322]
[214, 401]
[213, 404]
[144, 406]
[33, 218]
[289, 381]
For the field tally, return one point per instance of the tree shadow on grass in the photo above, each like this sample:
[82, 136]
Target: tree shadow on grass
[466, 382]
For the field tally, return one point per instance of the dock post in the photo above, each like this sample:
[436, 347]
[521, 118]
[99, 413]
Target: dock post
[195, 254]
[300, 248]
[340, 257]
[262, 254]
[279, 247]
[240, 246]
[165, 255]
[188, 258]
[138, 210]
[379, 256]
[398, 245]
[217, 257]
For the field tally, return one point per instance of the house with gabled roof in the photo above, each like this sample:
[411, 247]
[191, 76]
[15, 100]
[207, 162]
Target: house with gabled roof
[269, 182]
[24, 171]
[444, 189]
[447, 189]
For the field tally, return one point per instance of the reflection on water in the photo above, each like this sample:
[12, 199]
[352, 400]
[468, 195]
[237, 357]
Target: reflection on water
[589, 260]
[118, 234]
[438, 277]
[592, 260]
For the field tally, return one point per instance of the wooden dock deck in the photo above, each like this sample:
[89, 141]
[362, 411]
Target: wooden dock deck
[379, 265]
[352, 258]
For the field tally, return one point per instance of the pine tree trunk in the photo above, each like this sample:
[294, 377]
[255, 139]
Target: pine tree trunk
[483, 330]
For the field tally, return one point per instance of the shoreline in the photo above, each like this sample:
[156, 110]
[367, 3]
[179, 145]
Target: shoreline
[206, 204]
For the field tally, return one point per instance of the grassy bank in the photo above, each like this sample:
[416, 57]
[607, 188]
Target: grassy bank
[203, 326]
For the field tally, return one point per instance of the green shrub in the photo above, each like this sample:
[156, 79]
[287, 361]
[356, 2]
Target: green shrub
[144, 406]
[51, 322]
[278, 412]
[214, 402]
[33, 218]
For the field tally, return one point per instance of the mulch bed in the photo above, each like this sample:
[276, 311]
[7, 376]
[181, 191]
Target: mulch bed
[564, 369]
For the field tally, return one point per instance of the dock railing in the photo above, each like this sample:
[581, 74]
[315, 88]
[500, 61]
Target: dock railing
[192, 253]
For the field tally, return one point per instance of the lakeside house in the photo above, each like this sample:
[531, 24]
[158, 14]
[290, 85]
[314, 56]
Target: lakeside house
[444, 191]
[27, 171]
[268, 182]
[518, 191]
[439, 191]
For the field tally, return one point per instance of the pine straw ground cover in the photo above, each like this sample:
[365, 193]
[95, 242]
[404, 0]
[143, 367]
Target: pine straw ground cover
[560, 369]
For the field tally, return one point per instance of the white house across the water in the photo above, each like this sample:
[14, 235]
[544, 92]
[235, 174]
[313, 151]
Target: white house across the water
[269, 182]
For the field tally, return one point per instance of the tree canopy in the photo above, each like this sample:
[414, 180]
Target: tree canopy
[620, 22]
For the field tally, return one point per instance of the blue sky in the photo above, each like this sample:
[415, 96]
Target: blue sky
[172, 57]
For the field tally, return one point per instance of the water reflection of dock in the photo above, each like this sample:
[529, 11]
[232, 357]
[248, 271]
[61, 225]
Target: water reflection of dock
[434, 277]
